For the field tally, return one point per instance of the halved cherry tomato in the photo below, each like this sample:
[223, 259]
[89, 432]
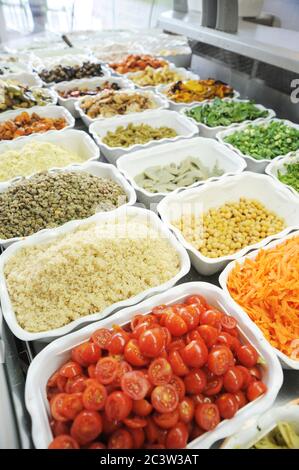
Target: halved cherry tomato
[164, 398]
[208, 333]
[175, 324]
[102, 337]
[117, 342]
[57, 407]
[177, 364]
[233, 380]
[240, 398]
[70, 369]
[228, 340]
[139, 319]
[200, 398]
[123, 368]
[135, 385]
[195, 354]
[106, 370]
[211, 317]
[166, 420]
[94, 397]
[256, 389]
[220, 359]
[64, 442]
[160, 371]
[207, 416]
[255, 373]
[167, 336]
[135, 423]
[61, 383]
[227, 405]
[247, 355]
[142, 407]
[86, 427]
[97, 445]
[228, 323]
[118, 406]
[179, 385]
[109, 426]
[52, 381]
[151, 342]
[133, 354]
[186, 410]
[151, 431]
[190, 315]
[197, 300]
[86, 353]
[177, 437]
[72, 405]
[138, 437]
[75, 385]
[59, 428]
[214, 385]
[246, 376]
[120, 439]
[91, 371]
[176, 345]
[195, 382]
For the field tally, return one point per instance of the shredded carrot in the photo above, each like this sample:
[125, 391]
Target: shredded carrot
[267, 288]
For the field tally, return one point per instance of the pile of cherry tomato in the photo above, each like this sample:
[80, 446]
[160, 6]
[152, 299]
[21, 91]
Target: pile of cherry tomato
[159, 382]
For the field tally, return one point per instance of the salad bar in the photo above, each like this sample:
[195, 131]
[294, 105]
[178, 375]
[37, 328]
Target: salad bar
[149, 230]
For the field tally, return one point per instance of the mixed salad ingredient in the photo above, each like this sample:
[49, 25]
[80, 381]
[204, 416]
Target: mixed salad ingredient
[265, 141]
[86, 270]
[137, 134]
[290, 175]
[159, 382]
[267, 288]
[153, 77]
[33, 158]
[77, 92]
[14, 95]
[136, 62]
[164, 179]
[225, 113]
[62, 73]
[198, 90]
[283, 436]
[224, 230]
[26, 124]
[47, 200]
[111, 103]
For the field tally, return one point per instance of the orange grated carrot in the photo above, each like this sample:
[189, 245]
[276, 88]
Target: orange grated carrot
[267, 288]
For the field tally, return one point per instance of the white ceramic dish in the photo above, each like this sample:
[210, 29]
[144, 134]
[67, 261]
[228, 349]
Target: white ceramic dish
[161, 103]
[207, 151]
[227, 189]
[114, 72]
[286, 361]
[278, 165]
[106, 72]
[90, 84]
[51, 94]
[184, 75]
[207, 131]
[78, 142]
[55, 354]
[50, 235]
[54, 112]
[25, 78]
[258, 427]
[183, 127]
[258, 166]
[161, 89]
[102, 170]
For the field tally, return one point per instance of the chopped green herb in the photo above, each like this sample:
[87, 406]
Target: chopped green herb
[291, 175]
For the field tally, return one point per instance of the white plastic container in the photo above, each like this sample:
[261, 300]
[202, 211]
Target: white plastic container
[58, 352]
[259, 426]
[161, 91]
[102, 170]
[50, 235]
[25, 78]
[160, 102]
[183, 127]
[207, 131]
[228, 189]
[90, 84]
[285, 360]
[78, 142]
[207, 151]
[253, 164]
[184, 75]
[54, 112]
[278, 165]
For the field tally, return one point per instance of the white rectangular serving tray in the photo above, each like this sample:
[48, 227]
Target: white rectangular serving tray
[207, 131]
[207, 151]
[279, 165]
[253, 164]
[58, 352]
[137, 214]
[156, 118]
[286, 361]
[90, 84]
[102, 170]
[228, 189]
[51, 111]
[161, 103]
